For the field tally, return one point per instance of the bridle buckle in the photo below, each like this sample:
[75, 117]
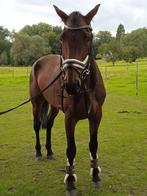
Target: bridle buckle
[84, 73]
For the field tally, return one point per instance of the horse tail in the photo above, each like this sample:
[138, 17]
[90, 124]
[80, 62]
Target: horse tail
[43, 103]
[44, 111]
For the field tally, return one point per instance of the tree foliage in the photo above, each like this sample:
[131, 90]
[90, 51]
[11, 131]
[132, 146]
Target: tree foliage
[128, 46]
[120, 32]
[4, 46]
[138, 39]
[49, 33]
[26, 49]
[130, 53]
[31, 42]
[110, 51]
[103, 37]
[34, 41]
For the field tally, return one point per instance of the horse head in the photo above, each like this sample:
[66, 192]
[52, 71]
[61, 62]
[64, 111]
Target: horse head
[76, 39]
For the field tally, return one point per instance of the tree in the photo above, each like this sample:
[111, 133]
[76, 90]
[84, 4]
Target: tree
[138, 39]
[53, 41]
[130, 53]
[103, 37]
[4, 33]
[95, 46]
[20, 49]
[38, 47]
[50, 34]
[120, 32]
[103, 49]
[4, 58]
[114, 50]
[36, 29]
[110, 51]
[4, 46]
[100, 39]
[26, 49]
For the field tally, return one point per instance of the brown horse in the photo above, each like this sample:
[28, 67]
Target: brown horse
[78, 91]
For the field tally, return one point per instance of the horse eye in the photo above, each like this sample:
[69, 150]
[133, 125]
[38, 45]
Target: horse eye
[87, 35]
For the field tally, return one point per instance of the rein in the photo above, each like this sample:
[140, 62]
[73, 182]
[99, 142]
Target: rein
[27, 101]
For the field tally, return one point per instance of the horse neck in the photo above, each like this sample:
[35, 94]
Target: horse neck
[92, 76]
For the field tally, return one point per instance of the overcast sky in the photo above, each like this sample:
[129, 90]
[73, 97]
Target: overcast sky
[15, 14]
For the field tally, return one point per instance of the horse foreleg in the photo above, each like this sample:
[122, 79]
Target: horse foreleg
[93, 146]
[70, 176]
[53, 113]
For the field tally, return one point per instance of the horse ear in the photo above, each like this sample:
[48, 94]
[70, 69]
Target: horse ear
[60, 13]
[92, 13]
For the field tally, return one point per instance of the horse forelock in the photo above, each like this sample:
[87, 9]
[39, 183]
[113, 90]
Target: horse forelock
[75, 18]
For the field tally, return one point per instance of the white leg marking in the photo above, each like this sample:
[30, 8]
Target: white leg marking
[66, 175]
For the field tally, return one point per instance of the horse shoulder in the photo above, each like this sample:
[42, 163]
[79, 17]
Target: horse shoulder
[100, 90]
[44, 71]
[45, 64]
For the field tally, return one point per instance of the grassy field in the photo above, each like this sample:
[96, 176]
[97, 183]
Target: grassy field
[122, 139]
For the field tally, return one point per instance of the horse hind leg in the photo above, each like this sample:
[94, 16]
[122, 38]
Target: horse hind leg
[44, 111]
[52, 114]
[37, 124]
[40, 109]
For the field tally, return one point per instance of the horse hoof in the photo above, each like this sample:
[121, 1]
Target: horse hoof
[97, 184]
[71, 192]
[51, 157]
[39, 158]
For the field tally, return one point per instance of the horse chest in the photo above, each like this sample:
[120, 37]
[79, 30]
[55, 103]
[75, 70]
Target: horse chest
[81, 106]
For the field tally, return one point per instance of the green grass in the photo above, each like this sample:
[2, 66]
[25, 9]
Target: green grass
[122, 139]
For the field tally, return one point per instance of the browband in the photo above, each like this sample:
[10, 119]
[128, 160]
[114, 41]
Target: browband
[77, 28]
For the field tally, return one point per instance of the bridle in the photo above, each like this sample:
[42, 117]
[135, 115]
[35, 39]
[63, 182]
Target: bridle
[81, 67]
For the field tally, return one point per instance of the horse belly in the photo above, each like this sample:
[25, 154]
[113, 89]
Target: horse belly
[53, 95]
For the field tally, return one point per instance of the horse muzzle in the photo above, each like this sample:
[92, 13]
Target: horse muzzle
[73, 87]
